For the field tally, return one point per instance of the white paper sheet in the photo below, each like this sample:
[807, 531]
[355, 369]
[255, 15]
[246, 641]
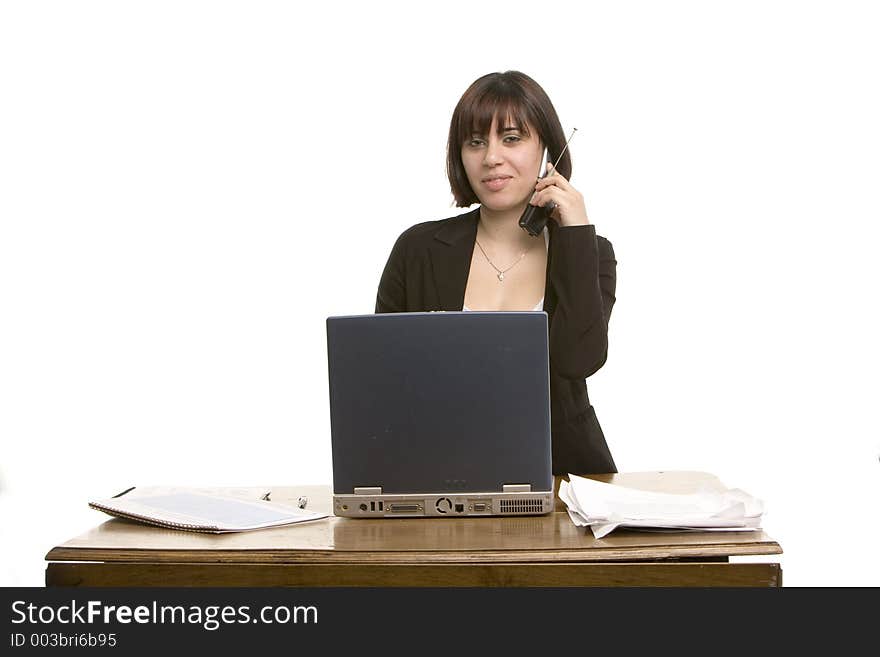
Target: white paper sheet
[605, 507]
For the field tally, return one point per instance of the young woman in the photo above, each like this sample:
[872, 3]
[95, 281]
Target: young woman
[483, 260]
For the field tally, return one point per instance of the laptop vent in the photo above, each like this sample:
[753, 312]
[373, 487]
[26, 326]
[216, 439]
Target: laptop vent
[522, 506]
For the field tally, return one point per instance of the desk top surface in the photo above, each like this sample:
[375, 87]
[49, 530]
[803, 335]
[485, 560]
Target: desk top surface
[548, 538]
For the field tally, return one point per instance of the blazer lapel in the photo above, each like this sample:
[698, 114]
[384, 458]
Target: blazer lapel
[451, 253]
[549, 292]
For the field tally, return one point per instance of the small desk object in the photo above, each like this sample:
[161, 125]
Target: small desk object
[544, 551]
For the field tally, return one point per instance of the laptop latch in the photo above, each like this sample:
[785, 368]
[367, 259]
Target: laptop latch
[367, 490]
[517, 488]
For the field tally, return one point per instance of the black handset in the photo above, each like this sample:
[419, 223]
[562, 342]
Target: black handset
[535, 217]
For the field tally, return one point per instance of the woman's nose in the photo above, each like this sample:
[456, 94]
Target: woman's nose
[493, 153]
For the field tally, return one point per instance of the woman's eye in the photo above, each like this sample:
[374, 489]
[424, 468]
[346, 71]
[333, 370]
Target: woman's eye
[512, 138]
[475, 143]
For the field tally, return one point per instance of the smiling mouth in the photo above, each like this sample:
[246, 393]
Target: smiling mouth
[496, 183]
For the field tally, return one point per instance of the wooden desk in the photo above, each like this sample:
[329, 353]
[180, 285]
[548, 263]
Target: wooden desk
[501, 551]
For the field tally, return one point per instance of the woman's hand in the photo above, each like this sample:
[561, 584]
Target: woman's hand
[569, 205]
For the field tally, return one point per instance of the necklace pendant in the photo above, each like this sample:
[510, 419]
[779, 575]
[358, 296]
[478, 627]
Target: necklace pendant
[501, 276]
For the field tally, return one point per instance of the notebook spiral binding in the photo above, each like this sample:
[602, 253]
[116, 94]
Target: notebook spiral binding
[151, 521]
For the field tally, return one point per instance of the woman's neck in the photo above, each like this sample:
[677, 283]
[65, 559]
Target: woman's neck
[502, 229]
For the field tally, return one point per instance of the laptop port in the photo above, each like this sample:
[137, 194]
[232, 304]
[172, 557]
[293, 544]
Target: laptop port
[459, 508]
[480, 507]
[404, 508]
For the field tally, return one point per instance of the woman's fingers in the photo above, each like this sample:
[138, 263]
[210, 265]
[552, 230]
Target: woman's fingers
[567, 202]
[568, 196]
[547, 195]
[553, 178]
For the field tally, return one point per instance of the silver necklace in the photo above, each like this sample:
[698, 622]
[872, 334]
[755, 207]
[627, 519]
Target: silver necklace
[501, 272]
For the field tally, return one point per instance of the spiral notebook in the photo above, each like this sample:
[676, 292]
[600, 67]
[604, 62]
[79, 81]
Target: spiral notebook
[197, 510]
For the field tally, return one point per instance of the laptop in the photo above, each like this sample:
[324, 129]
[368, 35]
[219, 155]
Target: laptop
[440, 414]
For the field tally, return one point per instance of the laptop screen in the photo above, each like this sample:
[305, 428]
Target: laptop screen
[432, 402]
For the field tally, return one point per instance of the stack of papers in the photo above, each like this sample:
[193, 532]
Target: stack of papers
[605, 507]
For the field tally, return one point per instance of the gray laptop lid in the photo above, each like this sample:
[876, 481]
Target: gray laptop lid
[445, 401]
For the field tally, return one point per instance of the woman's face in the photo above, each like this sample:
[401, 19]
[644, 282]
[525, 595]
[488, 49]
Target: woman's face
[502, 168]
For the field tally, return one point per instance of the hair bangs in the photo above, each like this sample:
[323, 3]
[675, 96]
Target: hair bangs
[476, 119]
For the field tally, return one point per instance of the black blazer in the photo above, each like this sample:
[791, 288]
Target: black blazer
[428, 270]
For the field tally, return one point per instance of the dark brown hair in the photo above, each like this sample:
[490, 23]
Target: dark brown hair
[510, 95]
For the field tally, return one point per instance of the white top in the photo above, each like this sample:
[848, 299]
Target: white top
[540, 305]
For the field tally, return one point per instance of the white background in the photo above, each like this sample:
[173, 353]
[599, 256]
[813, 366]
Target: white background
[188, 189]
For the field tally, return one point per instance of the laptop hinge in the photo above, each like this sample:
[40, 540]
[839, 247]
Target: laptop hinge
[368, 490]
[517, 488]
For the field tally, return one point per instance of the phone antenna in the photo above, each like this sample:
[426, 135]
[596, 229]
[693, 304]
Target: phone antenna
[563, 148]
